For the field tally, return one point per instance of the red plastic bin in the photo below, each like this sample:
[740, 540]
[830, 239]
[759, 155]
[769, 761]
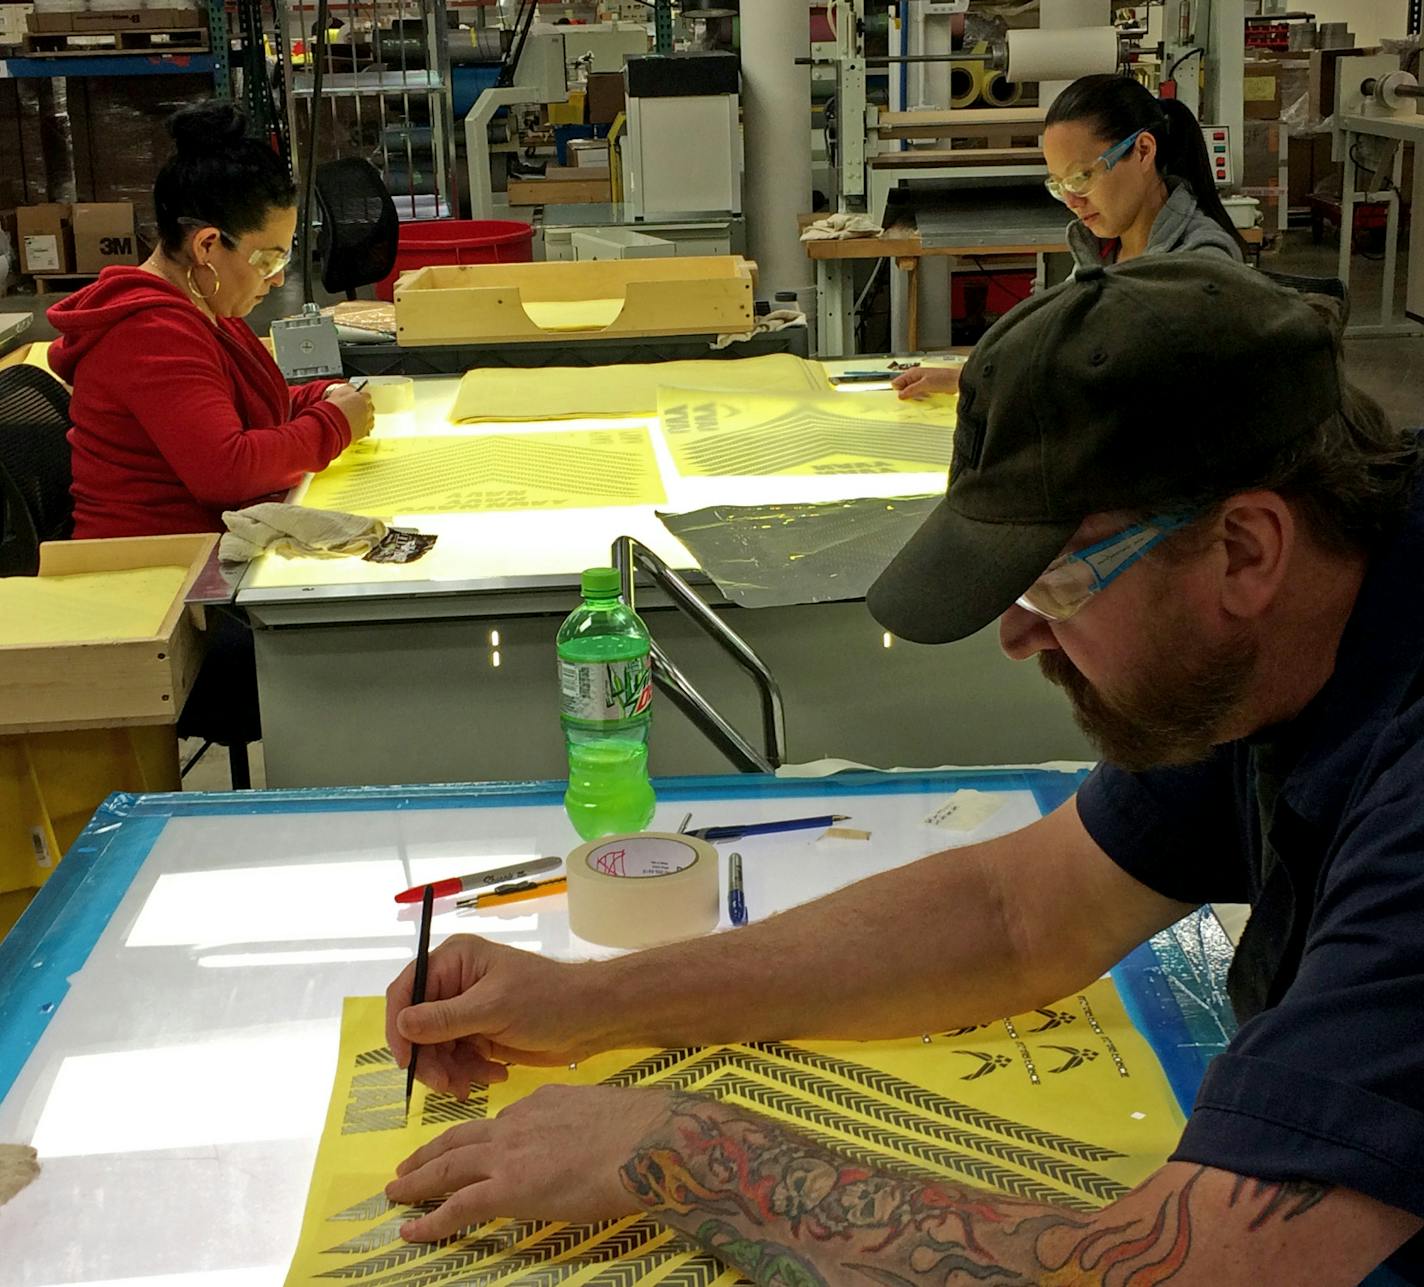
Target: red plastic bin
[429, 242]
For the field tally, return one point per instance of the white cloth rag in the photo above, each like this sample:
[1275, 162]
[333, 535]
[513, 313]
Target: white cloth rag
[775, 321]
[294, 529]
[838, 227]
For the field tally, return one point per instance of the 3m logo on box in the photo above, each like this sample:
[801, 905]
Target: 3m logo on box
[103, 235]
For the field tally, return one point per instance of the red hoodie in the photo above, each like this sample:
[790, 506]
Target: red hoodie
[177, 419]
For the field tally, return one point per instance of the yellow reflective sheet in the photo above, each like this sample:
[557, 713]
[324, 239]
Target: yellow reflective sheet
[1066, 1104]
[574, 314]
[575, 469]
[87, 607]
[862, 432]
[564, 393]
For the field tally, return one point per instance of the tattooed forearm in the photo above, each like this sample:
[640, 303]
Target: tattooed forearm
[808, 1216]
[784, 1210]
[1286, 1198]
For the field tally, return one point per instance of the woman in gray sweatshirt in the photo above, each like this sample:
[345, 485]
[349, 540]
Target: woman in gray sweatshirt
[1135, 171]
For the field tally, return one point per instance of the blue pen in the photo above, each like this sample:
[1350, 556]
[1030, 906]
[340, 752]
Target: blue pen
[714, 834]
[736, 900]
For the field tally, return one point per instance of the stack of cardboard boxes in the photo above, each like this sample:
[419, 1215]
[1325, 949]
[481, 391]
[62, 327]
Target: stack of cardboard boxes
[57, 239]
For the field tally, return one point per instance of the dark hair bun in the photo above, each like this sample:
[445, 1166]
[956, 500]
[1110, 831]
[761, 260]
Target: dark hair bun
[207, 129]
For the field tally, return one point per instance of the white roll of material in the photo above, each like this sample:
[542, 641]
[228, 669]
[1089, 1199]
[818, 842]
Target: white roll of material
[642, 890]
[1036, 54]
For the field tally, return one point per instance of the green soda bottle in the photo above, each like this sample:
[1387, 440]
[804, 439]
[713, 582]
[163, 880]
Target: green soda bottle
[606, 686]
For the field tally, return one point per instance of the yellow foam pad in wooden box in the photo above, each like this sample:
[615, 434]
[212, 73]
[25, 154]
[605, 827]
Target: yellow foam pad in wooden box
[87, 607]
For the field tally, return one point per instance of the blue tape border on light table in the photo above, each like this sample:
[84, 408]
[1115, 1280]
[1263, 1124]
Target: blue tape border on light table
[53, 939]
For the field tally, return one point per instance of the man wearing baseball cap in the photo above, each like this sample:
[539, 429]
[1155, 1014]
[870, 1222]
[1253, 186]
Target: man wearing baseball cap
[1226, 581]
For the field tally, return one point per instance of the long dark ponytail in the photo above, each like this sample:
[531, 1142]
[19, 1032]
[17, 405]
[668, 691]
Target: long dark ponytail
[1117, 106]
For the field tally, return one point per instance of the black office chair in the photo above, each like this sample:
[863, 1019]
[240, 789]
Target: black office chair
[359, 226]
[35, 504]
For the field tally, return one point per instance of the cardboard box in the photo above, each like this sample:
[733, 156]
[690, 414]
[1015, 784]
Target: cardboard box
[607, 97]
[14, 22]
[103, 235]
[43, 233]
[585, 154]
[1261, 91]
[50, 23]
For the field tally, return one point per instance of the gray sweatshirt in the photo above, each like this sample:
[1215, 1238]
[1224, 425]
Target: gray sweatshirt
[1180, 225]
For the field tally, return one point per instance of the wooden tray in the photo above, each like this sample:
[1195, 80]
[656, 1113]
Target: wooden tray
[114, 682]
[491, 303]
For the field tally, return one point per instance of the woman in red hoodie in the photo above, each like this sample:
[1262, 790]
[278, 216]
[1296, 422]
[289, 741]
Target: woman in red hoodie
[179, 412]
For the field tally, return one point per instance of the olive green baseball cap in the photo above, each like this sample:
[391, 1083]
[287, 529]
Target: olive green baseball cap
[1125, 388]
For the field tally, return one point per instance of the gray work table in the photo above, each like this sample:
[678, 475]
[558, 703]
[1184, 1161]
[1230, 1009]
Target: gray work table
[443, 670]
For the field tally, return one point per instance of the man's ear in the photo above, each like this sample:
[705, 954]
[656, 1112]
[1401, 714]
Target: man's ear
[1258, 533]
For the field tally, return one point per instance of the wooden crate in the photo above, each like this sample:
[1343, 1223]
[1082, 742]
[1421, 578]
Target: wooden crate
[490, 303]
[112, 683]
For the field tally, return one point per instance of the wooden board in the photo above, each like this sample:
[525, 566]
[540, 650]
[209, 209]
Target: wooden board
[142, 681]
[486, 303]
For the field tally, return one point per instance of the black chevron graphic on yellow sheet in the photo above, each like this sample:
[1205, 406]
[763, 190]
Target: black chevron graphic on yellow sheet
[907, 1092]
[807, 1095]
[636, 1074]
[976, 1169]
[376, 1101]
[633, 1268]
[701, 1271]
[484, 1259]
[864, 1114]
[367, 1209]
[623, 1242]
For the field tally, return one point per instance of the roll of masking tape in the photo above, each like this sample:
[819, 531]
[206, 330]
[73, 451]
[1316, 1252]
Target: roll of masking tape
[639, 891]
[391, 394]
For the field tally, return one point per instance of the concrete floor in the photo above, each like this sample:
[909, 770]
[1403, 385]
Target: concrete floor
[1391, 370]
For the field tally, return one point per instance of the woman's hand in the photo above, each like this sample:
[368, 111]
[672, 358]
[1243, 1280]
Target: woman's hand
[926, 380]
[355, 405]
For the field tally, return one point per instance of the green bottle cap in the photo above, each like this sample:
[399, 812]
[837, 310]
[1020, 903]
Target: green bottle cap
[601, 583]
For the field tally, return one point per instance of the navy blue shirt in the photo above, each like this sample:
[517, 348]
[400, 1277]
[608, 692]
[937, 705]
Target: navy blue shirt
[1319, 825]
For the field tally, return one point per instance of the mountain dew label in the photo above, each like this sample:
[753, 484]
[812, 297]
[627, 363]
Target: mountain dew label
[606, 691]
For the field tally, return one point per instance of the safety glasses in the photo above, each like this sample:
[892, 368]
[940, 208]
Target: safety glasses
[268, 262]
[1083, 182]
[1071, 580]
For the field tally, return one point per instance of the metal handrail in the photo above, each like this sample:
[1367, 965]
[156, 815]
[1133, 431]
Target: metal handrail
[631, 556]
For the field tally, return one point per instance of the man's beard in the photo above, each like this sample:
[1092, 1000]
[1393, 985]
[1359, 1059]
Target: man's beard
[1171, 713]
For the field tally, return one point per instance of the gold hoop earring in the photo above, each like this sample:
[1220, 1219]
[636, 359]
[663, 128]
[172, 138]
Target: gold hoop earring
[192, 286]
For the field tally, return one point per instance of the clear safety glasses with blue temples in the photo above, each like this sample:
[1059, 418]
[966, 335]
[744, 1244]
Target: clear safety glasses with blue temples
[1071, 580]
[1082, 183]
[268, 261]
